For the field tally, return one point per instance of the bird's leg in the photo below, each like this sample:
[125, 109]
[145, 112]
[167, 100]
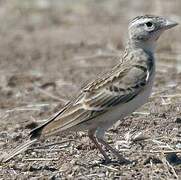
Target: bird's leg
[121, 159]
[91, 134]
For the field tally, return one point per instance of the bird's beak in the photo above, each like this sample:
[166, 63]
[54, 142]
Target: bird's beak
[169, 24]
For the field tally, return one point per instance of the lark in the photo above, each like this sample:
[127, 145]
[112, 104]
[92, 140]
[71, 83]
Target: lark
[112, 96]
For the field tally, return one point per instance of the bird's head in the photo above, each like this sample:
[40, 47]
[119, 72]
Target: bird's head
[147, 29]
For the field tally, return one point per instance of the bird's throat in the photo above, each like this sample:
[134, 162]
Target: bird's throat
[147, 46]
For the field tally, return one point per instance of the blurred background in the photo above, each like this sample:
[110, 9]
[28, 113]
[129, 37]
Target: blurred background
[49, 48]
[45, 41]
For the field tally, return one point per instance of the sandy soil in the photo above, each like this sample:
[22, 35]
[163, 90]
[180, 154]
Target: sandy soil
[47, 52]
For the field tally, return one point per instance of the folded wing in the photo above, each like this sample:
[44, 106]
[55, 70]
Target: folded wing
[117, 87]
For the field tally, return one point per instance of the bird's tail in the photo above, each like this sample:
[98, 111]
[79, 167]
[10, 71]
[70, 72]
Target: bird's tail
[34, 135]
[19, 149]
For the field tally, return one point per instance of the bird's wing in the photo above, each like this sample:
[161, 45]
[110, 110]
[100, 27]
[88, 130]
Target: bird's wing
[119, 86]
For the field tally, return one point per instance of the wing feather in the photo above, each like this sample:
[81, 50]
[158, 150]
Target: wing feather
[119, 86]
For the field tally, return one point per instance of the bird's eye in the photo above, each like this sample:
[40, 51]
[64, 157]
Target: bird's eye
[149, 24]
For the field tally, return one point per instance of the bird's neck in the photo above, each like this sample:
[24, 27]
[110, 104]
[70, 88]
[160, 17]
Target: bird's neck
[147, 46]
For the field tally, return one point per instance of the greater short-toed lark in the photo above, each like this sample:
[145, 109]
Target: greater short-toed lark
[113, 96]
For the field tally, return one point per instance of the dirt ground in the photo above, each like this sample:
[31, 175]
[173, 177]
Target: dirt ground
[48, 50]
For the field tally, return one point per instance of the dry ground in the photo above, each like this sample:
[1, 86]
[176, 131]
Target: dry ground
[48, 49]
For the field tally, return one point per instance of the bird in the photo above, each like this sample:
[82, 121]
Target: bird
[112, 96]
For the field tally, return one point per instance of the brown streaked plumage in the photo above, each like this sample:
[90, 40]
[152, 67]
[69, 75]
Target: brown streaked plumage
[113, 96]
